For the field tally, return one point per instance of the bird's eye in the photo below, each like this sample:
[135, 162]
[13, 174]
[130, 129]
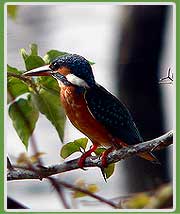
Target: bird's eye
[54, 66]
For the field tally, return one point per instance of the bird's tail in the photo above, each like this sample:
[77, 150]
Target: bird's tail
[149, 156]
[146, 155]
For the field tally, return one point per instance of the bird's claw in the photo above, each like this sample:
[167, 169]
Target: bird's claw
[104, 162]
[104, 157]
[81, 162]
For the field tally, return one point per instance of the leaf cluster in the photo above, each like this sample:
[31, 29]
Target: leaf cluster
[27, 97]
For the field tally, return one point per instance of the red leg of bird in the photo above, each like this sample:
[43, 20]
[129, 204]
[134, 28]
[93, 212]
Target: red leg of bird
[86, 154]
[104, 156]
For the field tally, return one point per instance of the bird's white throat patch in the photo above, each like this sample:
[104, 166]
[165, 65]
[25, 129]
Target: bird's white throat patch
[76, 80]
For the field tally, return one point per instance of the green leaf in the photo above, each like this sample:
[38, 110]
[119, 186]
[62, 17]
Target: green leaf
[139, 201]
[16, 87]
[24, 116]
[93, 188]
[109, 170]
[72, 147]
[32, 62]
[51, 55]
[50, 84]
[24, 54]
[91, 62]
[12, 11]
[99, 151]
[13, 70]
[81, 142]
[34, 50]
[49, 105]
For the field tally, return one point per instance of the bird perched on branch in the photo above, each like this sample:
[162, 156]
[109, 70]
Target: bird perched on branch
[91, 108]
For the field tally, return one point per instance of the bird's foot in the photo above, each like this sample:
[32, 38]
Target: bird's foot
[81, 161]
[104, 157]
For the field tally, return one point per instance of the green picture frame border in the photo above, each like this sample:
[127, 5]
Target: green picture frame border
[3, 102]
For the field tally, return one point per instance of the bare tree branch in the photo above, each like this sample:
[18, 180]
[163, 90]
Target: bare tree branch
[19, 173]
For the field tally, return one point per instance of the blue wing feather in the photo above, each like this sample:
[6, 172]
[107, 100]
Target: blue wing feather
[112, 114]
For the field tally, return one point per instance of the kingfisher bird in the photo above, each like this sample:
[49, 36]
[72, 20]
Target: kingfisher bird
[98, 114]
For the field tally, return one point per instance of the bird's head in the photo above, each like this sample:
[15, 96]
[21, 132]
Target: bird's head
[70, 69]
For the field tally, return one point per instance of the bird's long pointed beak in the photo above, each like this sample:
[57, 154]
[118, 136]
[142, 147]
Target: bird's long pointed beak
[41, 71]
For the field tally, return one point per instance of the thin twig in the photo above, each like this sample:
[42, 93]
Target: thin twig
[70, 186]
[58, 186]
[27, 80]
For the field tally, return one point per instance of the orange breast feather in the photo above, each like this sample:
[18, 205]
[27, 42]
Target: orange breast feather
[78, 113]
